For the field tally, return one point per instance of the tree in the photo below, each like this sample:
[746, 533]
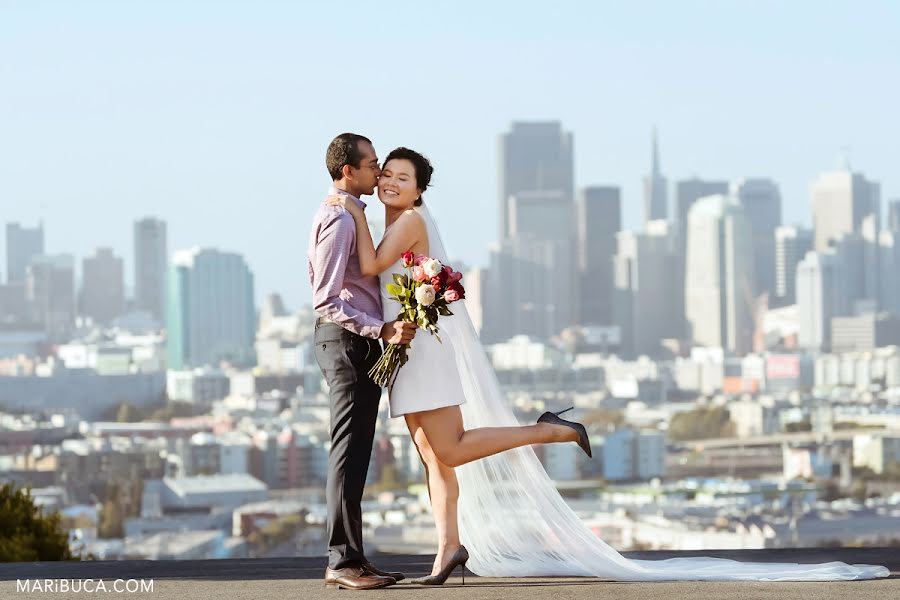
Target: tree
[892, 471]
[859, 490]
[701, 423]
[604, 418]
[26, 533]
[111, 515]
[123, 412]
[176, 409]
[798, 426]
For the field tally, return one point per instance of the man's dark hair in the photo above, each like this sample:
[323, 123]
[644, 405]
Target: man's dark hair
[344, 150]
[422, 165]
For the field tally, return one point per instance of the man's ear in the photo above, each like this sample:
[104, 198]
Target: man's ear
[345, 171]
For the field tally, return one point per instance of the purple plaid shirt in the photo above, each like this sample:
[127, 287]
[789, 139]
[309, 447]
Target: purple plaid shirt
[341, 293]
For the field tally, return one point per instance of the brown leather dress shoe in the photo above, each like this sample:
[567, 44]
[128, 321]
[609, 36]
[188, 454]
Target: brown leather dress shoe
[395, 575]
[355, 578]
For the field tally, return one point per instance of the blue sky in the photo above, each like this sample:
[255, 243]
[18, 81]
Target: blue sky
[215, 115]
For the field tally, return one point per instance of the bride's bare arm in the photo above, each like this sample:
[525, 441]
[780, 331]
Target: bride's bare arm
[408, 229]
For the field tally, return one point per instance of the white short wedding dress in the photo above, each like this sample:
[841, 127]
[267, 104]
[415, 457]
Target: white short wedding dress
[512, 519]
[428, 380]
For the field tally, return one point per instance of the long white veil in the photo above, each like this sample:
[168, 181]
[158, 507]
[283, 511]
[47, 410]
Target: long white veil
[513, 521]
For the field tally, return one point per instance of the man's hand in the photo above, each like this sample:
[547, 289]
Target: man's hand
[398, 332]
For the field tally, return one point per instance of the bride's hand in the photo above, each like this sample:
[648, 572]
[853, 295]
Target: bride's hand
[346, 203]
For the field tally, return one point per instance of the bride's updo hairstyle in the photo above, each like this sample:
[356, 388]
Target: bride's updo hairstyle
[420, 163]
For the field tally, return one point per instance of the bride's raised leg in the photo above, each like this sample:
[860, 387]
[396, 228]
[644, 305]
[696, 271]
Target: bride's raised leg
[443, 491]
[453, 445]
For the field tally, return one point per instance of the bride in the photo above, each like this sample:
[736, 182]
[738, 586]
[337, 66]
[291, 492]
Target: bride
[510, 515]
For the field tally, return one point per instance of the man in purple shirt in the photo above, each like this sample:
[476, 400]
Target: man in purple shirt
[349, 327]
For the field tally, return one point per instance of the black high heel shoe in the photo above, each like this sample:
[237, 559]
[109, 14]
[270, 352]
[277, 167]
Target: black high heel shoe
[458, 560]
[553, 418]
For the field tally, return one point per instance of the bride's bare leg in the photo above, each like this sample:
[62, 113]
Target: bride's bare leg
[454, 446]
[443, 490]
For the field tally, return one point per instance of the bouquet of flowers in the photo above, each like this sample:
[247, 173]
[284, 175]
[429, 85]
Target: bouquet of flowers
[424, 293]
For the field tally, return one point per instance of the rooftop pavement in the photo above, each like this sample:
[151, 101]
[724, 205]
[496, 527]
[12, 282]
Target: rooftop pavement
[301, 577]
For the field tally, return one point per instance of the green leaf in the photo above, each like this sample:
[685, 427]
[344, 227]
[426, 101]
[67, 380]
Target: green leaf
[399, 279]
[394, 289]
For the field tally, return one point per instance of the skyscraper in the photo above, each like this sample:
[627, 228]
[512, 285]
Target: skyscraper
[655, 194]
[545, 215]
[841, 201]
[210, 310]
[150, 264]
[857, 271]
[791, 245]
[719, 294]
[893, 218]
[599, 211]
[762, 204]
[688, 191]
[817, 288]
[22, 244]
[889, 283]
[534, 156]
[643, 268]
[13, 307]
[102, 286]
[530, 290]
[50, 293]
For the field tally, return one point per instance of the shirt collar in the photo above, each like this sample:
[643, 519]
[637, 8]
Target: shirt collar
[333, 190]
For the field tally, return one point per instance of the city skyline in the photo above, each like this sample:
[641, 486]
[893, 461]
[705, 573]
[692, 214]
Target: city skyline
[678, 221]
[198, 136]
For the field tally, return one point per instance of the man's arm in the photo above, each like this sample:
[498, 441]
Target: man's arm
[333, 245]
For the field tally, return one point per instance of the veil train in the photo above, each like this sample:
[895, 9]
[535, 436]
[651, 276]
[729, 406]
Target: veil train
[513, 521]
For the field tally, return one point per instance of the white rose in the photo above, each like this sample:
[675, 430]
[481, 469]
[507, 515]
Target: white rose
[432, 267]
[425, 295]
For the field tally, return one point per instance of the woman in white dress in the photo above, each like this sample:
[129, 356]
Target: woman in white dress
[510, 515]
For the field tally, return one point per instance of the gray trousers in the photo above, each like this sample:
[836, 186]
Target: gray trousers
[345, 359]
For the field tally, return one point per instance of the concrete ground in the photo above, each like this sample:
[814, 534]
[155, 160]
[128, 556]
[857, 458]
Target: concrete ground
[262, 579]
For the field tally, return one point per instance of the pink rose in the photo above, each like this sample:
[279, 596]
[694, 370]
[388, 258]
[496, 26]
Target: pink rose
[451, 295]
[419, 273]
[420, 259]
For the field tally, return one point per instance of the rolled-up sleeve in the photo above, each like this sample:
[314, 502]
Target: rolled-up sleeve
[334, 243]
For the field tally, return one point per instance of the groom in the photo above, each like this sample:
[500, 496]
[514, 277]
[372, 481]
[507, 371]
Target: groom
[346, 345]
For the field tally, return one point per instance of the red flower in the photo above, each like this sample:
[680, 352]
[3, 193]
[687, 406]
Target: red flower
[408, 258]
[457, 287]
[450, 275]
[441, 280]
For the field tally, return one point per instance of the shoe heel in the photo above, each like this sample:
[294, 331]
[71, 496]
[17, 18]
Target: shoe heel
[563, 411]
[462, 568]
